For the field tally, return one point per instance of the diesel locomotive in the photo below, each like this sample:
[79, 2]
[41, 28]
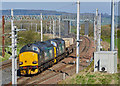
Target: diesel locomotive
[35, 57]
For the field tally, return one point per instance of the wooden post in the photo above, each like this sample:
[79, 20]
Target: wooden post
[3, 37]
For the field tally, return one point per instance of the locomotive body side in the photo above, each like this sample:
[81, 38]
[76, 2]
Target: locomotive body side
[33, 58]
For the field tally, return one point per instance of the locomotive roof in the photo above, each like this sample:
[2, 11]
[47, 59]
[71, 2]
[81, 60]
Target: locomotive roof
[57, 40]
[45, 45]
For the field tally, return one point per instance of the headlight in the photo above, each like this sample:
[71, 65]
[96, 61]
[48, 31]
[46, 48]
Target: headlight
[34, 62]
[20, 63]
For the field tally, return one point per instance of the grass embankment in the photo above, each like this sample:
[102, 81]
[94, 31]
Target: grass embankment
[87, 76]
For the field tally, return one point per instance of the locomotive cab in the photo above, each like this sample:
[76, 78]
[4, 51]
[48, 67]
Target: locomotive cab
[28, 59]
[28, 63]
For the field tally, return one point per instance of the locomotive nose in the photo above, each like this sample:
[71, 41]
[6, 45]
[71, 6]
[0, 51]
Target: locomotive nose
[28, 59]
[28, 63]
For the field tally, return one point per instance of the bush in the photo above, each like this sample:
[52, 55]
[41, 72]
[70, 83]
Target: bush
[118, 33]
[105, 31]
[26, 37]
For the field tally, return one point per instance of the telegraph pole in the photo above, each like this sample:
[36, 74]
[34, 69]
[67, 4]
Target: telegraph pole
[14, 52]
[59, 28]
[3, 37]
[112, 26]
[78, 39]
[41, 29]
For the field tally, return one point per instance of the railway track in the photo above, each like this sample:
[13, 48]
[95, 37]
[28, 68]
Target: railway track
[5, 64]
[55, 73]
[66, 66]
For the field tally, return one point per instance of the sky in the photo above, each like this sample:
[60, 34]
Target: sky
[71, 7]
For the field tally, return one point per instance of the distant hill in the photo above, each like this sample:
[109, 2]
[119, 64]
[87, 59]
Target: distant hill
[33, 12]
[105, 17]
[44, 12]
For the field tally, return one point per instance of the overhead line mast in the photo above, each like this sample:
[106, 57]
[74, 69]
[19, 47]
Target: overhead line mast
[112, 26]
[14, 51]
[41, 29]
[78, 36]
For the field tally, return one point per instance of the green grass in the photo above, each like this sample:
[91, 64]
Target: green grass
[119, 47]
[95, 78]
[118, 44]
[87, 76]
[7, 56]
[108, 40]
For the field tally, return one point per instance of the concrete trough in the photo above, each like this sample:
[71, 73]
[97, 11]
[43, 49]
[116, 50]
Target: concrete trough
[105, 61]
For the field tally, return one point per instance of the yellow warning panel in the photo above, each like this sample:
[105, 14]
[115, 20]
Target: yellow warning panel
[27, 59]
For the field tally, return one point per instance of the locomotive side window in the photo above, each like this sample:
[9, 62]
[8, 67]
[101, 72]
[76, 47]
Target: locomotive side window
[51, 54]
[53, 43]
[28, 48]
[36, 49]
[46, 55]
[60, 49]
[63, 48]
